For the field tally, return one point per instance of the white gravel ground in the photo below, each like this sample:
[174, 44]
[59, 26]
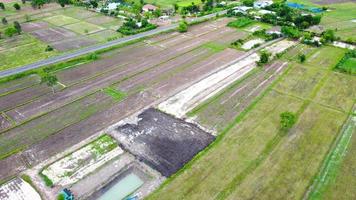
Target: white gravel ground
[249, 44]
[18, 189]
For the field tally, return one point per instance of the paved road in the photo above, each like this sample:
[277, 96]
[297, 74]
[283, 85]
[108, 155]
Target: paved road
[94, 48]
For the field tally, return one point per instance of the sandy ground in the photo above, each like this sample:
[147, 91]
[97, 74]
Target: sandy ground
[249, 44]
[17, 189]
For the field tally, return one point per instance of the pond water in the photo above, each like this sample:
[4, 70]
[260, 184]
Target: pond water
[122, 188]
[301, 6]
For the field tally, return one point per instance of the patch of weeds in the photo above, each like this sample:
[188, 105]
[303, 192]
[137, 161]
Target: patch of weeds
[288, 119]
[240, 22]
[115, 94]
[27, 179]
[48, 181]
[216, 47]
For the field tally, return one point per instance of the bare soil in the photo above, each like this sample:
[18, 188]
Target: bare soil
[163, 142]
[53, 34]
[73, 43]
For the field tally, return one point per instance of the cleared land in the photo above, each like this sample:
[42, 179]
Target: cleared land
[252, 158]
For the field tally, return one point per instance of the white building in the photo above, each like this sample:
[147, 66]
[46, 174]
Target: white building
[263, 12]
[112, 6]
[261, 4]
[241, 9]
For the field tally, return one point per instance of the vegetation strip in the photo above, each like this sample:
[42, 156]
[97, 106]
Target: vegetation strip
[333, 160]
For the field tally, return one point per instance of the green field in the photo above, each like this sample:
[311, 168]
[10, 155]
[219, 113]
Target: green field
[60, 20]
[253, 159]
[169, 3]
[84, 28]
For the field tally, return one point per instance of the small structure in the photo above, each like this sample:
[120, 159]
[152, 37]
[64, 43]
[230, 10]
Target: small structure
[149, 8]
[275, 30]
[67, 194]
[262, 4]
[164, 18]
[241, 9]
[112, 6]
[263, 12]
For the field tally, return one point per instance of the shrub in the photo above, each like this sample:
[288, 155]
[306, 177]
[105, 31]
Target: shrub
[302, 58]
[93, 56]
[288, 119]
[17, 6]
[183, 27]
[17, 27]
[60, 197]
[26, 178]
[264, 58]
[10, 31]
[2, 6]
[4, 21]
[48, 182]
[49, 48]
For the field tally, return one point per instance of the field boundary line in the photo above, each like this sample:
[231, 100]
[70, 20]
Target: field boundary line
[333, 160]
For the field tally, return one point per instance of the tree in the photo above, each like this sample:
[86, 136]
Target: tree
[10, 31]
[23, 1]
[50, 79]
[264, 58]
[176, 7]
[4, 21]
[17, 6]
[63, 2]
[328, 36]
[2, 6]
[183, 27]
[302, 58]
[38, 3]
[291, 32]
[287, 120]
[17, 26]
[94, 4]
[248, 2]
[157, 13]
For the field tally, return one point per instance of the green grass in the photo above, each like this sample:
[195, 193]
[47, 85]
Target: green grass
[169, 3]
[30, 49]
[216, 47]
[252, 27]
[48, 182]
[240, 22]
[349, 66]
[60, 20]
[252, 159]
[115, 94]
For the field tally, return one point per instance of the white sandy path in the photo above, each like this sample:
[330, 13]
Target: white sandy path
[56, 172]
[184, 101]
[17, 189]
[187, 99]
[279, 47]
[249, 44]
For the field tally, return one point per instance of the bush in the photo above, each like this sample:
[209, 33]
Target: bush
[288, 119]
[61, 197]
[4, 21]
[183, 27]
[291, 32]
[10, 31]
[17, 6]
[302, 58]
[26, 178]
[264, 58]
[49, 48]
[93, 56]
[48, 182]
[2, 6]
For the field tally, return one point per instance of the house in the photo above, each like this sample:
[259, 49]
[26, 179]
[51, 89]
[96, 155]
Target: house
[275, 30]
[112, 6]
[262, 4]
[241, 9]
[149, 7]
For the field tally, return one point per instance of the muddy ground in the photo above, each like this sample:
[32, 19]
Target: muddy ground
[163, 142]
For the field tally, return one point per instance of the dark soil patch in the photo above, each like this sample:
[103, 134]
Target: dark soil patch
[162, 141]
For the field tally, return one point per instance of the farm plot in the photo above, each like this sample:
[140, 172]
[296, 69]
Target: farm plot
[47, 125]
[53, 34]
[60, 20]
[299, 49]
[80, 163]
[84, 28]
[33, 26]
[220, 111]
[18, 84]
[326, 58]
[162, 141]
[253, 158]
[18, 189]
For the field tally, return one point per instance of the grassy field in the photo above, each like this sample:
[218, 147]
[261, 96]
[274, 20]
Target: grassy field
[27, 46]
[252, 159]
[169, 3]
